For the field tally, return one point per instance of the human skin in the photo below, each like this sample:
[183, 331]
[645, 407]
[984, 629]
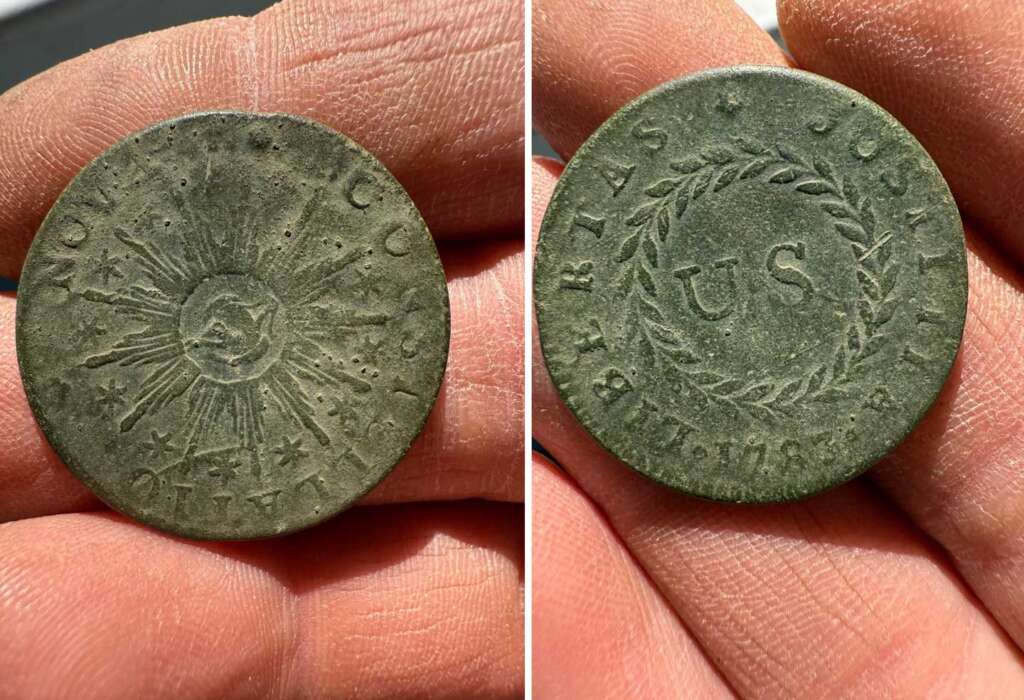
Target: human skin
[904, 583]
[416, 592]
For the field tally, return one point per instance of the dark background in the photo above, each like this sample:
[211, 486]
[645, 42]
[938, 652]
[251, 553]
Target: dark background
[34, 40]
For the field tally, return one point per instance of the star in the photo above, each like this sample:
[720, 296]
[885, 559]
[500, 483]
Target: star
[880, 399]
[380, 425]
[225, 471]
[111, 396]
[60, 390]
[106, 267]
[729, 103]
[368, 349]
[290, 452]
[346, 414]
[158, 444]
[88, 328]
[367, 287]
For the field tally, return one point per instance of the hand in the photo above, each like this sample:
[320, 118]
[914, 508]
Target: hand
[905, 583]
[422, 595]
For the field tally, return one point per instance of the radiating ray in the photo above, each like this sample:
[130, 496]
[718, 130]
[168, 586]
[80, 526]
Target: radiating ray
[132, 303]
[273, 260]
[310, 282]
[304, 366]
[167, 276]
[193, 236]
[160, 388]
[285, 390]
[247, 420]
[318, 322]
[139, 348]
[197, 236]
[201, 399]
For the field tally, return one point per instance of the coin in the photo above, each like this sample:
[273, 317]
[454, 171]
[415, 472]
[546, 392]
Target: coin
[750, 284]
[232, 325]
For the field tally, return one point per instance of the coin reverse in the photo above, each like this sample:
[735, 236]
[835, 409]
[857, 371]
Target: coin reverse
[750, 284]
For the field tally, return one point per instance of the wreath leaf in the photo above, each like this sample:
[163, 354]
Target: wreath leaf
[682, 355]
[889, 278]
[836, 210]
[788, 392]
[869, 284]
[705, 378]
[729, 386]
[643, 214]
[663, 224]
[867, 218]
[816, 380]
[852, 232]
[824, 169]
[754, 168]
[682, 201]
[884, 252]
[628, 248]
[727, 176]
[787, 153]
[885, 312]
[664, 334]
[783, 176]
[651, 251]
[839, 363]
[662, 187]
[871, 347]
[719, 156]
[688, 165]
[701, 182]
[814, 187]
[850, 193]
[650, 311]
[750, 146]
[757, 392]
[646, 281]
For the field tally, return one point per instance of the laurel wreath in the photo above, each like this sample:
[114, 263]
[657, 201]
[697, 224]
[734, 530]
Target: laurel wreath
[712, 170]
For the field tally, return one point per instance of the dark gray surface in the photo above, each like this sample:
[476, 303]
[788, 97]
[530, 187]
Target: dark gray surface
[750, 284]
[232, 326]
[41, 37]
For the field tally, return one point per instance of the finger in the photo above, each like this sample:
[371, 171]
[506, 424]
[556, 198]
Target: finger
[472, 444]
[589, 59]
[834, 595]
[952, 72]
[601, 629]
[434, 92]
[402, 601]
[958, 474]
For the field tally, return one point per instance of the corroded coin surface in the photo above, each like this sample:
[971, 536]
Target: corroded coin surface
[232, 325]
[750, 284]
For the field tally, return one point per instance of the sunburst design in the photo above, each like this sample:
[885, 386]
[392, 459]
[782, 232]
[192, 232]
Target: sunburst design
[226, 321]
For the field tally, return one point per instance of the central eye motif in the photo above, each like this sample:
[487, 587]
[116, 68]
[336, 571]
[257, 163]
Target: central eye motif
[232, 327]
[237, 331]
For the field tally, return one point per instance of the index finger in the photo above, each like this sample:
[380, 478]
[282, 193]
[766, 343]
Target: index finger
[592, 58]
[395, 81]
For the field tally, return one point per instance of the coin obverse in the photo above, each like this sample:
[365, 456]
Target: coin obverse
[750, 284]
[232, 325]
